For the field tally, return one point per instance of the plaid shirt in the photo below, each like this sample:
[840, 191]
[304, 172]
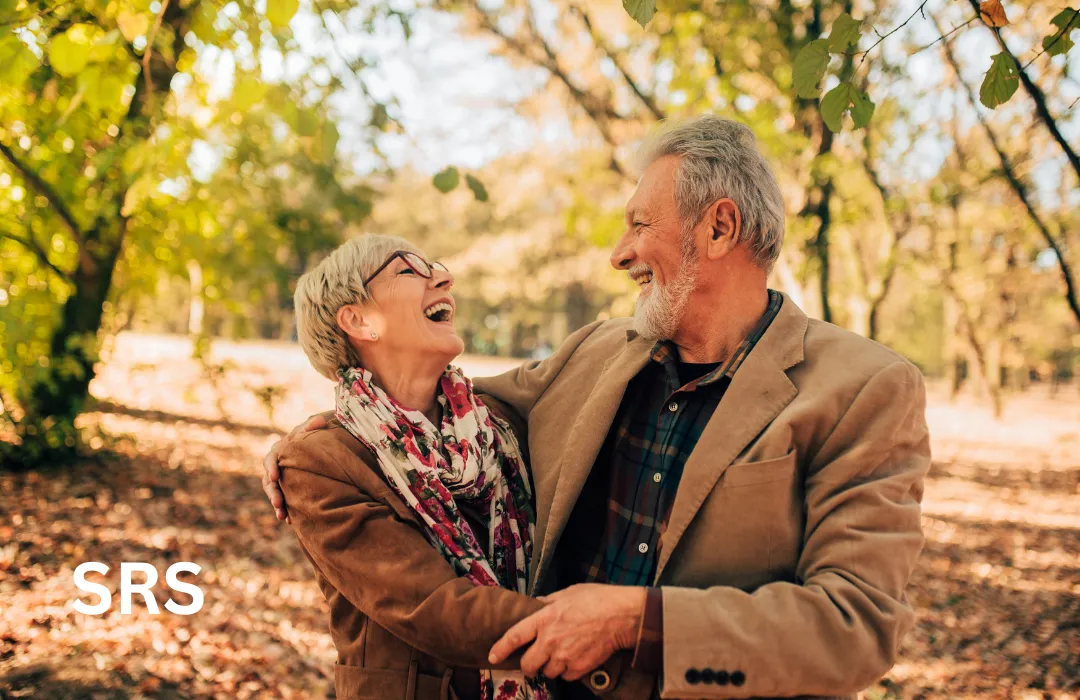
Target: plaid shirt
[619, 520]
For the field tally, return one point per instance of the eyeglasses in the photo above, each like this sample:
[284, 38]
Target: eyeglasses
[415, 262]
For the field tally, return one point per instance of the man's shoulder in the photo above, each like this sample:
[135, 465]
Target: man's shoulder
[607, 337]
[848, 357]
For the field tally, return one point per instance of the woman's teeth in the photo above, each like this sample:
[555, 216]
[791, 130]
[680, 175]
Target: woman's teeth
[439, 312]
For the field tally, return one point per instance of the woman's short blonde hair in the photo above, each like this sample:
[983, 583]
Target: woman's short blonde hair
[336, 281]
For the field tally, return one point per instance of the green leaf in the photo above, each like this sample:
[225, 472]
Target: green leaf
[810, 67]
[641, 10]
[380, 117]
[1061, 41]
[307, 122]
[7, 7]
[279, 12]
[67, 56]
[1000, 82]
[842, 98]
[477, 187]
[833, 106]
[202, 26]
[17, 62]
[248, 92]
[447, 179]
[328, 140]
[844, 34]
[862, 108]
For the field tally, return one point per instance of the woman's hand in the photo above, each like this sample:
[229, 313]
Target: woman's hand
[271, 473]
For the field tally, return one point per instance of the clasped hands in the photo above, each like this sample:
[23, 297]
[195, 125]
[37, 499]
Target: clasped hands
[578, 629]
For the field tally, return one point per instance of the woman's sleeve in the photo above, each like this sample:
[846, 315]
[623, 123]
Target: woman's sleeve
[384, 565]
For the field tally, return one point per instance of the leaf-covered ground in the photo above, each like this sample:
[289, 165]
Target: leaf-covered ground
[997, 589]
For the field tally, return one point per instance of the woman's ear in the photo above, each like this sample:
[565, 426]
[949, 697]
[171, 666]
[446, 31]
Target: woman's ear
[353, 323]
[725, 225]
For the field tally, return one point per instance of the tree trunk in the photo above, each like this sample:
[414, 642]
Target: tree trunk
[58, 394]
[198, 303]
[820, 244]
[53, 398]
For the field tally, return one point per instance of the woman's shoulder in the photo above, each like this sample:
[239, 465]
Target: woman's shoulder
[332, 452]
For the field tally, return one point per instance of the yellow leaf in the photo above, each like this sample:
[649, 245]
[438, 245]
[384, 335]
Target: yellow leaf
[133, 24]
[993, 13]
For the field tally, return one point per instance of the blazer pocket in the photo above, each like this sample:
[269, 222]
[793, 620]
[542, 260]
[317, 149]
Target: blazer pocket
[765, 471]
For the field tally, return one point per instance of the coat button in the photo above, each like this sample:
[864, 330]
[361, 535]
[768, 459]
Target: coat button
[600, 680]
[673, 407]
[643, 548]
[738, 678]
[693, 676]
[708, 675]
[722, 678]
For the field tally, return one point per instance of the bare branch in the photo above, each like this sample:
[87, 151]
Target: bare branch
[34, 247]
[883, 37]
[149, 52]
[1018, 187]
[1057, 37]
[599, 113]
[646, 99]
[45, 190]
[1035, 93]
[942, 37]
[40, 13]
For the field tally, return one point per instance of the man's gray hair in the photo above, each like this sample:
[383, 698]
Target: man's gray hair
[719, 158]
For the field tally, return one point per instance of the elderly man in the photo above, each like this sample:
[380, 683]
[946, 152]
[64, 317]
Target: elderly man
[727, 491]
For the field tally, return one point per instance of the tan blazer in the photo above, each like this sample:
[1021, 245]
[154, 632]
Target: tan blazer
[401, 619]
[795, 526]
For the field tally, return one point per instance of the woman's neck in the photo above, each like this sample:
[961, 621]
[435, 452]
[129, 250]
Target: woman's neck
[413, 385]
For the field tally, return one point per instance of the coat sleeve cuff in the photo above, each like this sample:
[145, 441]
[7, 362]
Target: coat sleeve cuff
[649, 651]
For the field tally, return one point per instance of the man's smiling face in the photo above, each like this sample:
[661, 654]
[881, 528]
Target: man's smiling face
[653, 251]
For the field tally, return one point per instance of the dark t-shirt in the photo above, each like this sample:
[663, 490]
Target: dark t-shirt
[689, 371]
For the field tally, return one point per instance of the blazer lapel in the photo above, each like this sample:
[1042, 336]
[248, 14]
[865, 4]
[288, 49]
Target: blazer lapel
[594, 420]
[758, 392]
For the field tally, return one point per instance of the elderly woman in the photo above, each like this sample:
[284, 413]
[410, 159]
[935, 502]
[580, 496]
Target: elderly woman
[414, 504]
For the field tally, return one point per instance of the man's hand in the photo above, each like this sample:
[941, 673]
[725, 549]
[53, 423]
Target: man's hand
[271, 473]
[577, 631]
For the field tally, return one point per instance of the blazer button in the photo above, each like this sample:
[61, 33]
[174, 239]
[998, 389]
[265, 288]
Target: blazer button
[721, 678]
[600, 680]
[708, 675]
[738, 678]
[693, 676]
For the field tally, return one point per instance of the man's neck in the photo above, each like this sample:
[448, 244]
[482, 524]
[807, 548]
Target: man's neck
[712, 329]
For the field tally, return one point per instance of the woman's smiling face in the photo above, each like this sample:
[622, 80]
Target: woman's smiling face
[412, 314]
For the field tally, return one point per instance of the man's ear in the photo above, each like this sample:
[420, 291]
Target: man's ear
[724, 226]
[353, 323]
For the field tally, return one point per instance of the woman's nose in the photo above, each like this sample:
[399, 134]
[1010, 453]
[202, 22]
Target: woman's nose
[441, 279]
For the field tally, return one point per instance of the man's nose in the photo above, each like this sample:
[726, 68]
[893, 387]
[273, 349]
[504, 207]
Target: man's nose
[622, 255]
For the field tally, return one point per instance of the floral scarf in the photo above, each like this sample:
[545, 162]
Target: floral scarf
[472, 456]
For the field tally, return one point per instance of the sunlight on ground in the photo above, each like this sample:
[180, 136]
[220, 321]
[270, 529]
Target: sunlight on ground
[996, 591]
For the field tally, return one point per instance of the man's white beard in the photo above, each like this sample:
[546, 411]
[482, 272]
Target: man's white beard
[658, 314]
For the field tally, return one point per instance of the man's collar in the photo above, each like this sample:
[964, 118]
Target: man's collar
[780, 336]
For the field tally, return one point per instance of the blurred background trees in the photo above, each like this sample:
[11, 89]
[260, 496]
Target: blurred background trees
[175, 165]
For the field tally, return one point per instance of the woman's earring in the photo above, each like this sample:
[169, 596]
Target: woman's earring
[374, 335]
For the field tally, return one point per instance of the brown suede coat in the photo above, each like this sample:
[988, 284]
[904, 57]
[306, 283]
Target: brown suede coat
[401, 619]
